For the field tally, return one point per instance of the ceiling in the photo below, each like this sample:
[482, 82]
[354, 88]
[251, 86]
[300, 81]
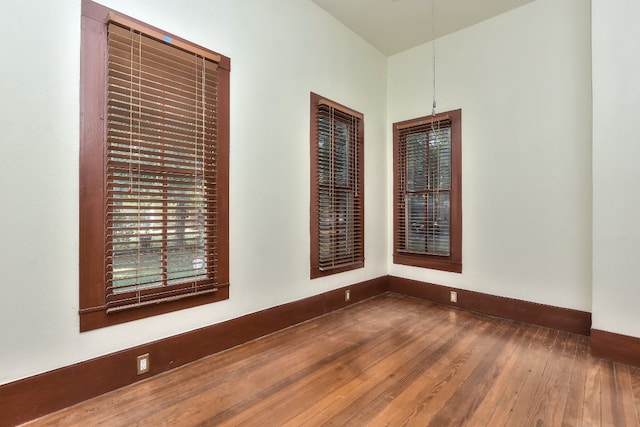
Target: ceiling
[396, 25]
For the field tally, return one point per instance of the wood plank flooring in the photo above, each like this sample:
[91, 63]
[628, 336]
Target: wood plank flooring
[388, 361]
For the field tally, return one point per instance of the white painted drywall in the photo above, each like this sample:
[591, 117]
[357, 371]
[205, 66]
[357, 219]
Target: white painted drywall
[522, 79]
[616, 166]
[523, 82]
[280, 51]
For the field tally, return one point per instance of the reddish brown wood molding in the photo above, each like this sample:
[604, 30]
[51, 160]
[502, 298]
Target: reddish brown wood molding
[38, 395]
[35, 396]
[616, 347]
[564, 319]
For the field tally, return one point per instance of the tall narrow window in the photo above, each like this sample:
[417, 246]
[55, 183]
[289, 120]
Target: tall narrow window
[337, 199]
[427, 192]
[154, 173]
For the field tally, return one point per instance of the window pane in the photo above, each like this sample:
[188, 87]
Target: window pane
[438, 223]
[428, 181]
[416, 166]
[342, 154]
[186, 244]
[336, 233]
[427, 223]
[326, 223]
[158, 220]
[137, 241]
[416, 222]
[324, 150]
[440, 159]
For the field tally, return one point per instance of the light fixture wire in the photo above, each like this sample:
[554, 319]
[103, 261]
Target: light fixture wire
[433, 55]
[435, 125]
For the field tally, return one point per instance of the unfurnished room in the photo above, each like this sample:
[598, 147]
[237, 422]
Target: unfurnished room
[320, 212]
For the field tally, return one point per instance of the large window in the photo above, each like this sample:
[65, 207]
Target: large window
[337, 188]
[153, 171]
[427, 192]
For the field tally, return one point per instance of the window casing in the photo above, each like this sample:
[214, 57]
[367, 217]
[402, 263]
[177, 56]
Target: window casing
[427, 192]
[337, 188]
[153, 171]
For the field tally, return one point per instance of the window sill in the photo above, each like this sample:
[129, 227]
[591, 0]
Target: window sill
[433, 262]
[98, 317]
[316, 272]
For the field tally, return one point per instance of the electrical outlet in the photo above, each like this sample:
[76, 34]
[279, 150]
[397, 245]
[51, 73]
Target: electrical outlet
[143, 364]
[454, 296]
[347, 295]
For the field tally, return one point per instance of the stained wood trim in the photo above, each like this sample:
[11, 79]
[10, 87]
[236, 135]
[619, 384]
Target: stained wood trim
[563, 319]
[616, 347]
[424, 121]
[161, 35]
[340, 107]
[38, 395]
[100, 13]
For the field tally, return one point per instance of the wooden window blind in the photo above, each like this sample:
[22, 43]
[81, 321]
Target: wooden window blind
[161, 189]
[427, 189]
[425, 180]
[154, 171]
[337, 181]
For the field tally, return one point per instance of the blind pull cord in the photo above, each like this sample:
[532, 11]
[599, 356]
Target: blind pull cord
[139, 172]
[131, 115]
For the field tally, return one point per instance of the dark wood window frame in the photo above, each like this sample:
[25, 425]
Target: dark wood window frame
[453, 261]
[93, 305]
[322, 265]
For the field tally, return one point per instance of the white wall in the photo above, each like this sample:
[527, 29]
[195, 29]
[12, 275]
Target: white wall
[280, 50]
[523, 82]
[522, 79]
[616, 166]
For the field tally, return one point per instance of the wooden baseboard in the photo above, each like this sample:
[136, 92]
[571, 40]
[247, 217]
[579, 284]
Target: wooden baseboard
[615, 347]
[563, 319]
[38, 395]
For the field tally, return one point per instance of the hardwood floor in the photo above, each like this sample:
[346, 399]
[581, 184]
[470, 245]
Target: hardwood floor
[389, 361]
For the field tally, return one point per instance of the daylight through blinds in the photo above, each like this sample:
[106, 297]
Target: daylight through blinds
[340, 227]
[425, 188]
[161, 165]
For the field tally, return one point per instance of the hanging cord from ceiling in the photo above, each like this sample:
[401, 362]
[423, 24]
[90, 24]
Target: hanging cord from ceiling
[433, 54]
[435, 126]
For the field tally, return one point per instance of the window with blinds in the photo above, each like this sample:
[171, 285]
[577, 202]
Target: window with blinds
[161, 187]
[427, 227]
[337, 216]
[164, 163]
